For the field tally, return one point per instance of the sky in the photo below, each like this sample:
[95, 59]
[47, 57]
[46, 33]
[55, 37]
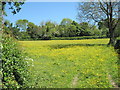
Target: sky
[37, 12]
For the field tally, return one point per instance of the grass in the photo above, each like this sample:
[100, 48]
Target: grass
[71, 63]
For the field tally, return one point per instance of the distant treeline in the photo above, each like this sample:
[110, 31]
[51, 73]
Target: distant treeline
[25, 30]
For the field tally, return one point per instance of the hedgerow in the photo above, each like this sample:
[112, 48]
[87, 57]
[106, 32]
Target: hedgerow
[14, 66]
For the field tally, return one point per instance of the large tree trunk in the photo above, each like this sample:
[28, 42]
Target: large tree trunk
[110, 24]
[112, 37]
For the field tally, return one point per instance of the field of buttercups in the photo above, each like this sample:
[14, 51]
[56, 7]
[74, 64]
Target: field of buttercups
[86, 63]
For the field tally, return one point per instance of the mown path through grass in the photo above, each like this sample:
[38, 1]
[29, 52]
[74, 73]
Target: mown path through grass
[75, 81]
[71, 63]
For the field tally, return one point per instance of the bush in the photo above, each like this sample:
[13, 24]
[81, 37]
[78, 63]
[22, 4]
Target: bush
[14, 66]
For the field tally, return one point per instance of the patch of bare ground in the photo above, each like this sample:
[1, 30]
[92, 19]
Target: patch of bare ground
[112, 82]
[75, 80]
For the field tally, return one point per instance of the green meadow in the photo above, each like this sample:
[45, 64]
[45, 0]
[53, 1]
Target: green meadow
[86, 63]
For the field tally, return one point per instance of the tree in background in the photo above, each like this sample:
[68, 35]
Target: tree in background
[60, 31]
[25, 30]
[48, 29]
[103, 28]
[67, 28]
[103, 25]
[15, 7]
[78, 28]
[85, 29]
[22, 24]
[32, 30]
[17, 31]
[66, 21]
[7, 27]
[72, 31]
[101, 10]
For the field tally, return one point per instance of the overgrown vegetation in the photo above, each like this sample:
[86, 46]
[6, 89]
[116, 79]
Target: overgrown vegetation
[14, 66]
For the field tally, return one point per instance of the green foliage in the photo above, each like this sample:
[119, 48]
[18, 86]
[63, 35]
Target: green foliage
[49, 30]
[14, 66]
[9, 29]
[88, 30]
[66, 21]
[25, 30]
[117, 30]
[24, 36]
[99, 11]
[13, 6]
[103, 26]
[22, 24]
[32, 30]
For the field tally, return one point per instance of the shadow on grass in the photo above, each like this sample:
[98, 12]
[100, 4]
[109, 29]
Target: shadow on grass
[118, 62]
[59, 46]
[119, 71]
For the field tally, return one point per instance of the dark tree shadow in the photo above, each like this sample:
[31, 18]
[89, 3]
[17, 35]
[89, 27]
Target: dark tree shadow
[118, 51]
[58, 46]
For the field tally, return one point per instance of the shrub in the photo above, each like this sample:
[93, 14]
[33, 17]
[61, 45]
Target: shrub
[14, 66]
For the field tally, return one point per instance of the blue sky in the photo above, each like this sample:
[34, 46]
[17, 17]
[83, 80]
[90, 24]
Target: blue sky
[37, 12]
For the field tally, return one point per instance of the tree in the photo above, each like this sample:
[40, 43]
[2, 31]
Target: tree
[78, 28]
[85, 29]
[101, 10]
[94, 30]
[103, 25]
[60, 31]
[66, 27]
[66, 21]
[72, 31]
[14, 30]
[32, 30]
[48, 29]
[13, 6]
[7, 27]
[22, 24]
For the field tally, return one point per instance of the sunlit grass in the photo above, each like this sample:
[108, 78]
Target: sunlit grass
[56, 63]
